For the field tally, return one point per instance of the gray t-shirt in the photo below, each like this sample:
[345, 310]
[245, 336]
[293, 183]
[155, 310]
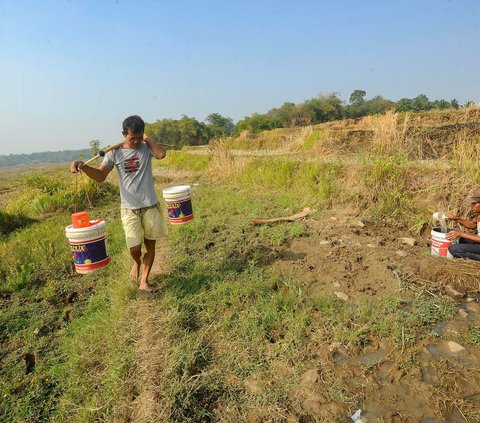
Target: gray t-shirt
[134, 170]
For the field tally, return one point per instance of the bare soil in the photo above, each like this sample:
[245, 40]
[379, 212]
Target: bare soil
[361, 261]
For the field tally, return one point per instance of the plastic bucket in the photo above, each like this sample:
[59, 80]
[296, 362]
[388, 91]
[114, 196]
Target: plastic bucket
[179, 204]
[440, 243]
[89, 246]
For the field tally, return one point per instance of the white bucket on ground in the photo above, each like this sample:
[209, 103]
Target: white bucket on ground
[179, 204]
[89, 246]
[440, 243]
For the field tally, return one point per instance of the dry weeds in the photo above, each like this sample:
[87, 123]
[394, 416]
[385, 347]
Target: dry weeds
[224, 164]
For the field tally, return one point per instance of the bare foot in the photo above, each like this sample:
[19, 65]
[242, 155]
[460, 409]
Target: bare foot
[147, 288]
[135, 272]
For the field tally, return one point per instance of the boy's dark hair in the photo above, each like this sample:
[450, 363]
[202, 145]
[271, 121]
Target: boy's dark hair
[134, 123]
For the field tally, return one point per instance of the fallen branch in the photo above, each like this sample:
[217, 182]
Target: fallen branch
[304, 213]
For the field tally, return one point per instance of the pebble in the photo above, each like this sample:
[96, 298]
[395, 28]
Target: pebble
[455, 291]
[409, 241]
[401, 253]
[453, 347]
[342, 296]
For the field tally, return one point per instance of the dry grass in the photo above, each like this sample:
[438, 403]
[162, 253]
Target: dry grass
[466, 152]
[296, 140]
[390, 135]
[224, 165]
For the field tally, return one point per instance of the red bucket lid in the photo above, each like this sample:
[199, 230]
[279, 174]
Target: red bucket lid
[80, 220]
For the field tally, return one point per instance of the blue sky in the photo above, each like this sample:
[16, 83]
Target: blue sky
[71, 71]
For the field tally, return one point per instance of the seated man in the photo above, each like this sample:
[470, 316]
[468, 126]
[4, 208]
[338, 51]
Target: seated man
[468, 245]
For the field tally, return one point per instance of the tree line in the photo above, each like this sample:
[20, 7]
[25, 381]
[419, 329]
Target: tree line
[189, 131]
[42, 158]
[323, 108]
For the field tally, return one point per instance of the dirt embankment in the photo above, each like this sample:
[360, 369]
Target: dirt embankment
[362, 262]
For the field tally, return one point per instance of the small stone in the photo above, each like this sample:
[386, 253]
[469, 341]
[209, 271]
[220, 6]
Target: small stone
[453, 347]
[336, 285]
[469, 300]
[371, 246]
[473, 307]
[342, 296]
[359, 223]
[401, 253]
[409, 241]
[455, 291]
[324, 242]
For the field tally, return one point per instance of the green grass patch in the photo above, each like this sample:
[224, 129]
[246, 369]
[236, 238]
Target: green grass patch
[295, 184]
[387, 189]
[184, 161]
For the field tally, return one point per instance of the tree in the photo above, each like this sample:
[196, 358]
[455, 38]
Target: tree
[185, 131]
[291, 115]
[405, 105]
[455, 103]
[257, 123]
[357, 97]
[325, 108]
[219, 126]
[94, 147]
[283, 114]
[421, 103]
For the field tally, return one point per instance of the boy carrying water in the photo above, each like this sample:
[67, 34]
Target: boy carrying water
[468, 245]
[141, 216]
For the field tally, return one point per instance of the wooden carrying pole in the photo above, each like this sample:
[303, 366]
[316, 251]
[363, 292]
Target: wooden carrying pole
[102, 153]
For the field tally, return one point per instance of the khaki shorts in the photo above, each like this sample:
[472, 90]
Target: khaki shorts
[146, 223]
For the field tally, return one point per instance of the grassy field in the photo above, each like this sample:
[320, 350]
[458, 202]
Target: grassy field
[291, 322]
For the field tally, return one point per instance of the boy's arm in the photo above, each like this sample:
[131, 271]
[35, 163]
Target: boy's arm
[158, 151]
[98, 175]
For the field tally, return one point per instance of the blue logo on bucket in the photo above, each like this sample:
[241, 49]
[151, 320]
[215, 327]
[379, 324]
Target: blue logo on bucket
[89, 253]
[180, 209]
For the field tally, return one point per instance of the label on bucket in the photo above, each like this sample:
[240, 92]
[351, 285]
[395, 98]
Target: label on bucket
[180, 211]
[90, 255]
[440, 247]
[89, 246]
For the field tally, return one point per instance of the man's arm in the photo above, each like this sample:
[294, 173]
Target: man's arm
[452, 235]
[98, 175]
[470, 224]
[158, 151]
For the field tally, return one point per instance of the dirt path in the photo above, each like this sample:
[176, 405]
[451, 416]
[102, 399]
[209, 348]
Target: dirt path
[151, 346]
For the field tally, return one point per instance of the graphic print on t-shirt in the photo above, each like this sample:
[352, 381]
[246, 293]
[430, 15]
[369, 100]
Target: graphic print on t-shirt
[132, 164]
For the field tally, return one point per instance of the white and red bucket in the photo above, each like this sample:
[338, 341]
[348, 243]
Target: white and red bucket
[440, 243]
[179, 204]
[88, 243]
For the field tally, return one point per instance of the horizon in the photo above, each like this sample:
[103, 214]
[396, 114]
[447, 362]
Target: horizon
[73, 71]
